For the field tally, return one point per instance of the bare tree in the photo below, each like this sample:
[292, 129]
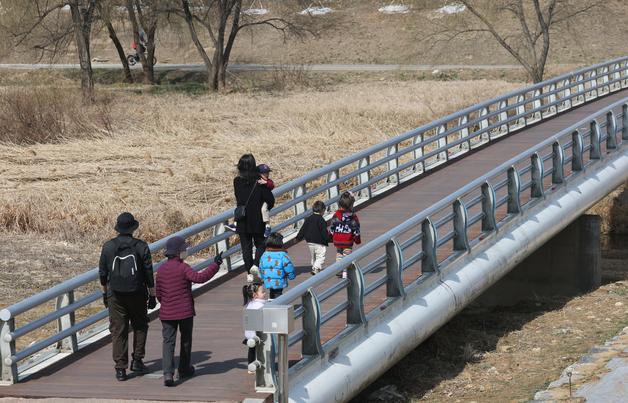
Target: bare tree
[222, 20]
[47, 26]
[106, 11]
[536, 22]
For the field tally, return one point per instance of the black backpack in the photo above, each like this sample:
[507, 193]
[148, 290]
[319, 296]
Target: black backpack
[125, 276]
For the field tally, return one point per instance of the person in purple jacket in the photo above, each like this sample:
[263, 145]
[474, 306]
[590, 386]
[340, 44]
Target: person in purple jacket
[174, 292]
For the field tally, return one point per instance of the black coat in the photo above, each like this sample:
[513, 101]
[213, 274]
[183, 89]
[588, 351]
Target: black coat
[141, 251]
[259, 194]
[314, 230]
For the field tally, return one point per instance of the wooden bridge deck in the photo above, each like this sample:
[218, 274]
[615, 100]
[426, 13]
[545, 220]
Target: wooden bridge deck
[219, 356]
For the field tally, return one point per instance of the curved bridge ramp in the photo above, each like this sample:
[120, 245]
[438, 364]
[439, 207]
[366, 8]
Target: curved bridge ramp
[439, 227]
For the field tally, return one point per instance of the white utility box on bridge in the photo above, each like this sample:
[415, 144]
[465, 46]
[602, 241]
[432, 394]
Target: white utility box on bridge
[275, 319]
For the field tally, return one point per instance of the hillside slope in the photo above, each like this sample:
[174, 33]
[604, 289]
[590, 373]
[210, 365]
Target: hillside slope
[355, 32]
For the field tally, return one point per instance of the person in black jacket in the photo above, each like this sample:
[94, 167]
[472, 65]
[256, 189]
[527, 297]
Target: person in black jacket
[251, 227]
[126, 276]
[315, 232]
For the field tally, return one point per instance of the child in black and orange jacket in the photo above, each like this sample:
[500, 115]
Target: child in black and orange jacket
[345, 228]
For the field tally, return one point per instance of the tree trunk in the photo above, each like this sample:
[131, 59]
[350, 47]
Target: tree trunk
[197, 43]
[217, 66]
[149, 65]
[121, 54]
[81, 33]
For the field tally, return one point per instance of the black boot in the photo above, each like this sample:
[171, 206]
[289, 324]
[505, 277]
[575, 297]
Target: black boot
[186, 373]
[139, 367]
[121, 374]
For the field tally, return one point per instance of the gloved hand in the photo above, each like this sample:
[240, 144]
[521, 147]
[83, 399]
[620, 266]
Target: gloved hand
[104, 300]
[218, 259]
[152, 302]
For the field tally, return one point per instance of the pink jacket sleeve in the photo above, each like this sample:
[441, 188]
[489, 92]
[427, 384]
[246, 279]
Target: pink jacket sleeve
[201, 276]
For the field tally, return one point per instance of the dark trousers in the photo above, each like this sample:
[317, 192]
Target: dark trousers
[125, 308]
[169, 333]
[274, 293]
[251, 354]
[246, 241]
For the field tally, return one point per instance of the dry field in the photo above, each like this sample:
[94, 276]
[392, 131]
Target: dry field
[171, 157]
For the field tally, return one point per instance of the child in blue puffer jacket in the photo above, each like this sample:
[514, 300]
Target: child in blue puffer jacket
[275, 266]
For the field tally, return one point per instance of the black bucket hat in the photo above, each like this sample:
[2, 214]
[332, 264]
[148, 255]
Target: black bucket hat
[175, 245]
[126, 223]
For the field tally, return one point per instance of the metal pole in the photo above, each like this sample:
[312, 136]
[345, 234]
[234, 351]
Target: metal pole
[282, 392]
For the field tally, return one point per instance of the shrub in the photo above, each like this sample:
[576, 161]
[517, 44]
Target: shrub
[50, 115]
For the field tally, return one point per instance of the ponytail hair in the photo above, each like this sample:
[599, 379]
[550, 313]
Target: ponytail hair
[248, 291]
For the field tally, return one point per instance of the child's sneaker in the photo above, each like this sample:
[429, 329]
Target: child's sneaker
[267, 231]
[254, 275]
[231, 227]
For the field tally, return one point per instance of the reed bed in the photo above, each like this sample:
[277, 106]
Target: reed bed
[170, 159]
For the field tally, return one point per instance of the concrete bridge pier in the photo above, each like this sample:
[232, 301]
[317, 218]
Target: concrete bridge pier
[568, 264]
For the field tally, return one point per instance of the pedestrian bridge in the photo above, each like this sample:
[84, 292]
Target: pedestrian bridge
[447, 209]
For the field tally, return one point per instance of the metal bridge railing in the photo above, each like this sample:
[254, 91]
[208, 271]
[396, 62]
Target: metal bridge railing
[326, 310]
[75, 317]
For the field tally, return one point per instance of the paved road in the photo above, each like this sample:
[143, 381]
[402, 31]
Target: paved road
[331, 68]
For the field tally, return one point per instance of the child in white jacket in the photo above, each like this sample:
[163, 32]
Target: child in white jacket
[254, 298]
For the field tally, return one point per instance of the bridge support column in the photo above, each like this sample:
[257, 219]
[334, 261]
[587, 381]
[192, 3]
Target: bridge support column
[568, 264]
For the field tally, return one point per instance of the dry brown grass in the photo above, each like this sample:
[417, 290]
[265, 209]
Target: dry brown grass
[171, 158]
[30, 115]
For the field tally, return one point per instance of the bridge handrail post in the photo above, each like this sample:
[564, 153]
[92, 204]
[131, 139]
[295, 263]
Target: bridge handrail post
[334, 190]
[7, 350]
[624, 121]
[536, 105]
[611, 131]
[418, 153]
[558, 161]
[536, 190]
[394, 265]
[69, 344]
[311, 342]
[551, 98]
[594, 152]
[461, 240]
[503, 117]
[299, 207]
[442, 144]
[223, 246]
[577, 151]
[489, 223]
[364, 177]
[283, 384]
[355, 295]
[393, 164]
[429, 263]
[483, 124]
[514, 191]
